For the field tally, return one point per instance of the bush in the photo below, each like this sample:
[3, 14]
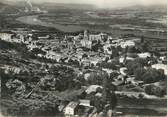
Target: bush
[152, 75]
[139, 72]
[132, 66]
[148, 76]
[5, 45]
[107, 65]
[155, 90]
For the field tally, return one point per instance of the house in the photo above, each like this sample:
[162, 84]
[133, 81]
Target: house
[13, 69]
[93, 88]
[32, 45]
[79, 55]
[53, 55]
[62, 105]
[160, 66]
[144, 55]
[6, 36]
[117, 41]
[130, 80]
[71, 108]
[94, 61]
[163, 59]
[122, 59]
[44, 37]
[123, 71]
[127, 44]
[118, 82]
[86, 62]
[98, 94]
[107, 49]
[86, 76]
[108, 71]
[84, 103]
[95, 37]
[86, 43]
[19, 38]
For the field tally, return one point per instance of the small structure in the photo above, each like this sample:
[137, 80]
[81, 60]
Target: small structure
[108, 71]
[118, 82]
[107, 49]
[98, 94]
[123, 71]
[6, 36]
[128, 43]
[144, 55]
[160, 66]
[85, 103]
[86, 43]
[71, 108]
[93, 88]
[123, 59]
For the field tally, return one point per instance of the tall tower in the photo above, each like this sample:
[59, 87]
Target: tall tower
[86, 36]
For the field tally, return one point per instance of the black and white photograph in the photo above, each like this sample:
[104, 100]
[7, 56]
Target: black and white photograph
[83, 58]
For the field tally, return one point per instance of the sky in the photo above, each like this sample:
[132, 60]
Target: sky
[106, 3]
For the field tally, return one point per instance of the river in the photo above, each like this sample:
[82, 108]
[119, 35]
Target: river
[34, 20]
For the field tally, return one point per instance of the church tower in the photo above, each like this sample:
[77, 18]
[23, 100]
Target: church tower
[86, 35]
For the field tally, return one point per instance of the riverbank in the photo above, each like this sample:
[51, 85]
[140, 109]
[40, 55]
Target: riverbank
[33, 20]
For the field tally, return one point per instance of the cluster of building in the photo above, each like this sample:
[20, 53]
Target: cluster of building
[77, 108]
[85, 49]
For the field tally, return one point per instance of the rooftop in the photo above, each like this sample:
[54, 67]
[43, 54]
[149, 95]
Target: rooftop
[72, 104]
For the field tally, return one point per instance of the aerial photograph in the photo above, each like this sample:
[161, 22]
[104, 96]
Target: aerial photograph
[83, 58]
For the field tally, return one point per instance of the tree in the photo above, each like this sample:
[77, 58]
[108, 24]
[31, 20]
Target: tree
[115, 52]
[109, 100]
[144, 46]
[96, 78]
[141, 61]
[152, 75]
[98, 103]
[155, 90]
[139, 73]
[132, 66]
[109, 97]
[113, 100]
[38, 51]
[108, 65]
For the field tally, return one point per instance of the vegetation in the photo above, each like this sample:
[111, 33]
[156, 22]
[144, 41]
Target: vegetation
[109, 97]
[148, 75]
[32, 96]
[155, 90]
[21, 48]
[96, 78]
[107, 65]
[40, 104]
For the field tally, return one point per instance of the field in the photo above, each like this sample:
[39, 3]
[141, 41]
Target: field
[131, 17]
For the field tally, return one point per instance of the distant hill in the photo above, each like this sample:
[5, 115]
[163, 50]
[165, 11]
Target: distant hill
[51, 6]
[143, 7]
[8, 9]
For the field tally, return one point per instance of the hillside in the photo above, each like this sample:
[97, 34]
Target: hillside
[8, 9]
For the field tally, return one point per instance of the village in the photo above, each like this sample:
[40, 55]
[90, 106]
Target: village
[106, 67]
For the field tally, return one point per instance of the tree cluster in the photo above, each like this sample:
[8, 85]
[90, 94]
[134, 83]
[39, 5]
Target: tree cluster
[156, 90]
[61, 78]
[148, 75]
